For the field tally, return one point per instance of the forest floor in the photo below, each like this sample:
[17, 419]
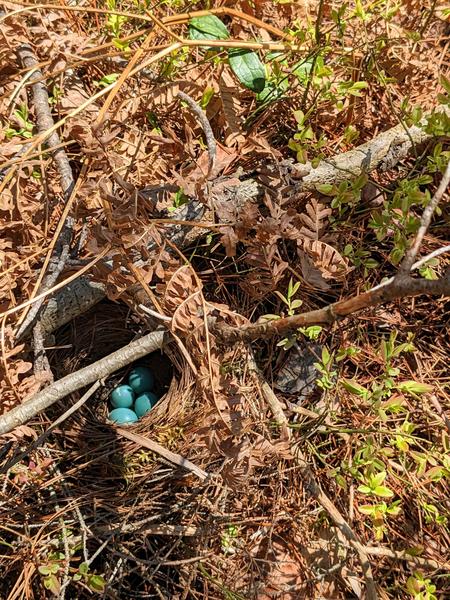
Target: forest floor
[157, 173]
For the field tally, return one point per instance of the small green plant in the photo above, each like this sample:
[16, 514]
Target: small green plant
[379, 514]
[179, 200]
[96, 583]
[229, 539]
[114, 26]
[372, 485]
[114, 23]
[396, 219]
[50, 572]
[291, 303]
[327, 381]
[305, 140]
[345, 195]
[432, 514]
[24, 125]
[106, 80]
[420, 587]
[360, 258]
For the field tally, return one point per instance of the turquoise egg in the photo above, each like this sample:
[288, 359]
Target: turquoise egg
[141, 379]
[144, 403]
[122, 397]
[121, 416]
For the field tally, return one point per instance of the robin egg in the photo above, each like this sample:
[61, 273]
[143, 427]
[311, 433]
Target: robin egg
[123, 416]
[144, 403]
[122, 396]
[141, 379]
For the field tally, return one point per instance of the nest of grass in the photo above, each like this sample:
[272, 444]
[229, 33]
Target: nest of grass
[151, 529]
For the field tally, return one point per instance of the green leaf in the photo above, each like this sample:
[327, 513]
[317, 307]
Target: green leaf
[51, 583]
[326, 189]
[44, 570]
[364, 489]
[247, 67]
[96, 583]
[207, 28]
[383, 491]
[414, 387]
[377, 479]
[83, 568]
[367, 509]
[354, 388]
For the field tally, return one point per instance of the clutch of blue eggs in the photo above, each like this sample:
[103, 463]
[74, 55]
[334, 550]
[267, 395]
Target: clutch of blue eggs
[133, 401]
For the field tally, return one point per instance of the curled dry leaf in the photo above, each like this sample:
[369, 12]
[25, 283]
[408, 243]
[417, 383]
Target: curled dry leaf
[314, 219]
[181, 285]
[327, 259]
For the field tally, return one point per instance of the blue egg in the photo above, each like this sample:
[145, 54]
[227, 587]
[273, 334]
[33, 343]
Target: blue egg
[122, 397]
[141, 379]
[144, 403]
[121, 416]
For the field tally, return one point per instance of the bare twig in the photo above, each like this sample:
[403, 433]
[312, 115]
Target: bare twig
[425, 221]
[209, 135]
[75, 381]
[45, 122]
[170, 456]
[41, 365]
[401, 288]
[426, 563]
[316, 492]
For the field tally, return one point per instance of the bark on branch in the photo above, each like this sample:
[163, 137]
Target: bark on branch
[402, 287]
[383, 151]
[80, 379]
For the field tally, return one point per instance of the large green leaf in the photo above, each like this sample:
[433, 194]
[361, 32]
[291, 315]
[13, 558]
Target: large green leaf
[247, 67]
[207, 28]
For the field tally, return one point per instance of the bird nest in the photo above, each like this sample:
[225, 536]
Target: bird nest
[155, 509]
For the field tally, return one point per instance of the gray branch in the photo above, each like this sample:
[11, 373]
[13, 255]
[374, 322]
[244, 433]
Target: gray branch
[82, 378]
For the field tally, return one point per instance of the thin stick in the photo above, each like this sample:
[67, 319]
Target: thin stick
[427, 563]
[75, 381]
[316, 491]
[172, 457]
[425, 221]
[209, 135]
[45, 122]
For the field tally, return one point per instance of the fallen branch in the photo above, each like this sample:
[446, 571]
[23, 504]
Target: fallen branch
[403, 288]
[383, 151]
[45, 121]
[400, 286]
[80, 379]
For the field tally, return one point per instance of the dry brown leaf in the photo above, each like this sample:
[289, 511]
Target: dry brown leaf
[327, 259]
[188, 316]
[313, 219]
[231, 109]
[180, 286]
[163, 95]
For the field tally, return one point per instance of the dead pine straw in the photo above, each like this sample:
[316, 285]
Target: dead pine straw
[263, 472]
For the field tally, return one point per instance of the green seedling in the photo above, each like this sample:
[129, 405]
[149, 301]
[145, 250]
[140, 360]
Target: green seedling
[379, 514]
